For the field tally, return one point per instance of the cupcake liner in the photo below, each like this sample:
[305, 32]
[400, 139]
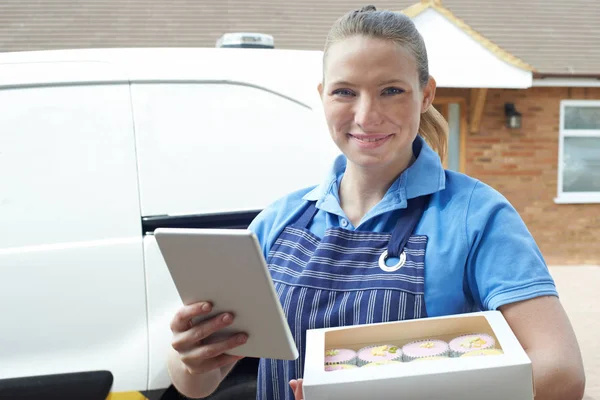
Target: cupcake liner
[444, 352]
[397, 356]
[490, 344]
[352, 361]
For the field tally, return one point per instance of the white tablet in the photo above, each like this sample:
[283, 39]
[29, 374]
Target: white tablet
[227, 268]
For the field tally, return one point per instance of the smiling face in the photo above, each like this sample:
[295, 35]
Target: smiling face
[373, 101]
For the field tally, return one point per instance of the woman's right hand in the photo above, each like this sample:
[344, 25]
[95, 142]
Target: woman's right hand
[198, 349]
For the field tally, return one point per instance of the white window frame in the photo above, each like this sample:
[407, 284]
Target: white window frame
[574, 197]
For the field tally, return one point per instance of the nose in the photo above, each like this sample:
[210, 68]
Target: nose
[368, 112]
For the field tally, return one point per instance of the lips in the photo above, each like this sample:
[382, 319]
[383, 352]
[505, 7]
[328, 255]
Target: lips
[370, 141]
[369, 138]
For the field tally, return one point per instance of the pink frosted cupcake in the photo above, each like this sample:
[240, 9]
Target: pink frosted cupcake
[386, 352]
[425, 348]
[340, 356]
[466, 343]
[339, 367]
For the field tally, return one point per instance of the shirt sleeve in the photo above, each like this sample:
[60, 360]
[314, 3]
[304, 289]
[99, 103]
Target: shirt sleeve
[504, 264]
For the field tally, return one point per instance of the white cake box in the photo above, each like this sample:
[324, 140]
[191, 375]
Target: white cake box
[490, 377]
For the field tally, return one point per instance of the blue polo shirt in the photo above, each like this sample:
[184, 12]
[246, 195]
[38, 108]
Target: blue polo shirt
[479, 255]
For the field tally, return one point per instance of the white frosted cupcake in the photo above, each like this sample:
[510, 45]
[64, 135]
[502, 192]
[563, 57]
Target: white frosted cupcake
[424, 349]
[466, 343]
[373, 354]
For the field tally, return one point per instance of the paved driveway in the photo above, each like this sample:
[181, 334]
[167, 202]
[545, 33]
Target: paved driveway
[579, 289]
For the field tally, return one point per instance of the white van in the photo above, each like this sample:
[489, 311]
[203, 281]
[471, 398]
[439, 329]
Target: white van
[100, 147]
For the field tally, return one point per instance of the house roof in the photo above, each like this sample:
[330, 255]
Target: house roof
[459, 57]
[557, 37]
[552, 37]
[418, 8]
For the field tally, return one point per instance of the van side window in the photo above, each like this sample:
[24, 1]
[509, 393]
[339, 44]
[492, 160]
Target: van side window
[211, 148]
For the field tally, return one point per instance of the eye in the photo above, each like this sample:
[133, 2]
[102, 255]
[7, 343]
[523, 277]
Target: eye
[343, 92]
[391, 91]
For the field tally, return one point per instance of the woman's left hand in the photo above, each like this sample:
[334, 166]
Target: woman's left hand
[296, 386]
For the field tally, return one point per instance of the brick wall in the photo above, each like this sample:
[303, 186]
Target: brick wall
[522, 164]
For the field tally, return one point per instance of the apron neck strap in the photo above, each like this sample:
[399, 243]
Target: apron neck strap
[306, 216]
[406, 225]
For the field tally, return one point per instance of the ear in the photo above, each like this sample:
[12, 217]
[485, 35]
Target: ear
[320, 89]
[428, 94]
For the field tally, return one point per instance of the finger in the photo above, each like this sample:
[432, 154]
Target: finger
[212, 364]
[298, 392]
[182, 320]
[190, 338]
[206, 352]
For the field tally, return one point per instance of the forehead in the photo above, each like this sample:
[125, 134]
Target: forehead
[363, 59]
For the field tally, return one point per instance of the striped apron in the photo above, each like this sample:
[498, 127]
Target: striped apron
[342, 279]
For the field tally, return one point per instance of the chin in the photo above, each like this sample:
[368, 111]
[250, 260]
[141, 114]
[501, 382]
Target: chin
[370, 160]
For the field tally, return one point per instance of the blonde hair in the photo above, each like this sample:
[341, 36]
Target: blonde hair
[400, 29]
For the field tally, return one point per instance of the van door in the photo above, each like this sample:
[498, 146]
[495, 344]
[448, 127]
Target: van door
[72, 284]
[212, 155]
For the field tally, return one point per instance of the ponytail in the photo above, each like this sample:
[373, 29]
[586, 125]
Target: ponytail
[434, 129]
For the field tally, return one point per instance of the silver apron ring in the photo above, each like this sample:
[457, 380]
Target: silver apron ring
[396, 267]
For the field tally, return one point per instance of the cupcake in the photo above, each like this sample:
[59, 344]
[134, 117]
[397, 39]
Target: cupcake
[425, 348]
[339, 367]
[340, 356]
[466, 343]
[377, 363]
[431, 358]
[386, 352]
[487, 352]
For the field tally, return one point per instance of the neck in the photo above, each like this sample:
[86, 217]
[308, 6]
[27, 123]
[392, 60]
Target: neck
[362, 188]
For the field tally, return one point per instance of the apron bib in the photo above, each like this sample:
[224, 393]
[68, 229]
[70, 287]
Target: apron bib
[345, 278]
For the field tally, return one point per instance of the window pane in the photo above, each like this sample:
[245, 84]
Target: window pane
[203, 138]
[582, 117]
[581, 168]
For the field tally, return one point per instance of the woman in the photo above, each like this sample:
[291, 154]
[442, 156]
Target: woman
[390, 234]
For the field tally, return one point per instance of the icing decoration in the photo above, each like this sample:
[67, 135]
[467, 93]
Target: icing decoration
[473, 343]
[379, 351]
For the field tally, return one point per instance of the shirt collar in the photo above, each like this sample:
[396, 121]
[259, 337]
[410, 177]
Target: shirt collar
[425, 176]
